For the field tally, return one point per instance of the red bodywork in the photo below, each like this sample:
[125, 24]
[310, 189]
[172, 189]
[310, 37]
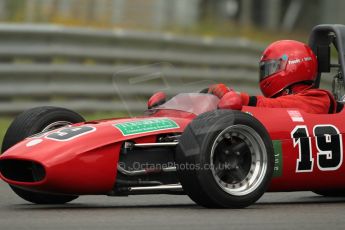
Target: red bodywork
[88, 164]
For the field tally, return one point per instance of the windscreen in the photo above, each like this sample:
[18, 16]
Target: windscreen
[196, 103]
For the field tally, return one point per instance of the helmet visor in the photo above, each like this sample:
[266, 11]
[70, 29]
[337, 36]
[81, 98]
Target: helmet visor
[269, 67]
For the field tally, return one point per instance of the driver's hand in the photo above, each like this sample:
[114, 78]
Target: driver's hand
[156, 100]
[231, 100]
[218, 90]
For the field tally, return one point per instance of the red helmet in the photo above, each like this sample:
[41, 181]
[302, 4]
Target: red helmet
[285, 63]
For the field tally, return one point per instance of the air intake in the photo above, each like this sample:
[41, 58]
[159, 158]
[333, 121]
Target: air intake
[22, 170]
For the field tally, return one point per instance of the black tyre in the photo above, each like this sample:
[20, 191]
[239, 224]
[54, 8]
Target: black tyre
[31, 122]
[330, 193]
[225, 159]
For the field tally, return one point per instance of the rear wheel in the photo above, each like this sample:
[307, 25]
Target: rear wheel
[230, 159]
[33, 121]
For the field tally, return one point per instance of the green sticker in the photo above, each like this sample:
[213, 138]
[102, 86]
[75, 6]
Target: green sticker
[278, 158]
[146, 126]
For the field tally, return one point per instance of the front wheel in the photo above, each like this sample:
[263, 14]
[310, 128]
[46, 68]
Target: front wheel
[33, 121]
[225, 159]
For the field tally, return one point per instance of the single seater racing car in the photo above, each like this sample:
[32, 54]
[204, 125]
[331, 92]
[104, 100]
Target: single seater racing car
[219, 158]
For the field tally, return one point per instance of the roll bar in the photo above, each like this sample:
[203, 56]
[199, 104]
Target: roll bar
[321, 37]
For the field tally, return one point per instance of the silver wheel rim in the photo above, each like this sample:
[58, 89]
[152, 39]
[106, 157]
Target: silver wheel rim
[55, 125]
[238, 160]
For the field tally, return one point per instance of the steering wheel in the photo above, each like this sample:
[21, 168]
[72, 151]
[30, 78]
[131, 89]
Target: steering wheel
[204, 90]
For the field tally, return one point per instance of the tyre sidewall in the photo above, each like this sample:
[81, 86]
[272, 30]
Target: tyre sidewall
[204, 131]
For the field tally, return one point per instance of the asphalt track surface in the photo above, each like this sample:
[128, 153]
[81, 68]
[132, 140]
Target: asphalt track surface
[298, 210]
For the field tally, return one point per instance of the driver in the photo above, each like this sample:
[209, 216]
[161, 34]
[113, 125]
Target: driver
[288, 70]
[287, 73]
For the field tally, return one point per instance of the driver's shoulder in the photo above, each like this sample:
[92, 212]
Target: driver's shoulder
[315, 93]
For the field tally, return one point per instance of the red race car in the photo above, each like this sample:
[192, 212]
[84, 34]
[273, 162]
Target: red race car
[220, 158]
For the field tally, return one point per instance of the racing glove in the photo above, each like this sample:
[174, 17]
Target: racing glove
[156, 99]
[218, 90]
[231, 100]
